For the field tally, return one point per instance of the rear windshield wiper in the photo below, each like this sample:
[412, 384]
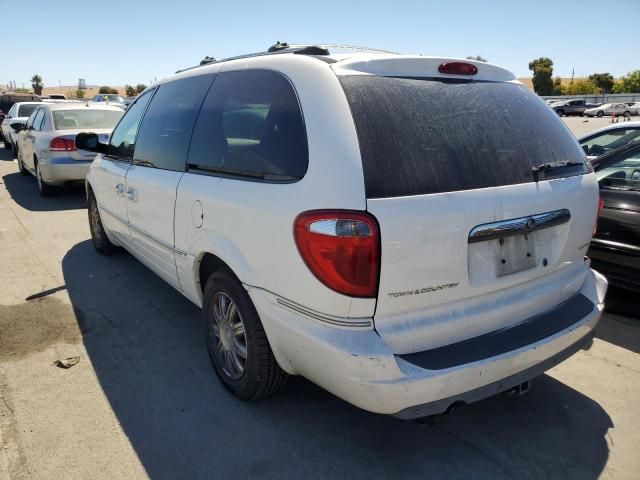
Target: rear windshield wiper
[548, 167]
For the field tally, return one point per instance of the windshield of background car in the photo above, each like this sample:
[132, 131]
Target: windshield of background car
[604, 142]
[25, 110]
[622, 173]
[74, 119]
[420, 136]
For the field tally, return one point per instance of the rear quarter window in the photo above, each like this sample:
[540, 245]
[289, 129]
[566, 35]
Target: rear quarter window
[423, 136]
[250, 127]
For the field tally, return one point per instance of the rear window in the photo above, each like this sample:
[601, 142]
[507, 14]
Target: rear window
[422, 136]
[73, 119]
[25, 110]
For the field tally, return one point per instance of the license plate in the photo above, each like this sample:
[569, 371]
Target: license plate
[515, 254]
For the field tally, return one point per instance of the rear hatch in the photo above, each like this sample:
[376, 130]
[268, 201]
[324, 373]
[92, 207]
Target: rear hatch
[69, 121]
[470, 241]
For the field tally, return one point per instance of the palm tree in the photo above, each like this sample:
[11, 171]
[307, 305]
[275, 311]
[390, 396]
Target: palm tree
[36, 83]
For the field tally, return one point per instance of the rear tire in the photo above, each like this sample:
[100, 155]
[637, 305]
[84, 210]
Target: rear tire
[627, 114]
[237, 343]
[560, 112]
[43, 188]
[98, 236]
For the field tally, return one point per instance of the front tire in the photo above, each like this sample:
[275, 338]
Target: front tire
[560, 112]
[600, 114]
[627, 114]
[236, 340]
[98, 235]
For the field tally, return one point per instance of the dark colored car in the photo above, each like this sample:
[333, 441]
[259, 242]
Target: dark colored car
[571, 107]
[615, 248]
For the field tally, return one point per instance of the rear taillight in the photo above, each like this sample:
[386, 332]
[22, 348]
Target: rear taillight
[62, 144]
[600, 206]
[458, 68]
[342, 249]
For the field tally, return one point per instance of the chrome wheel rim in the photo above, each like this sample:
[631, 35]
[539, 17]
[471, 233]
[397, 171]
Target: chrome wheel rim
[227, 336]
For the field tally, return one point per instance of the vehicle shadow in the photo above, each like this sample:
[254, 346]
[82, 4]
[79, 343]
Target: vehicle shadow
[146, 345]
[620, 323]
[24, 191]
[6, 155]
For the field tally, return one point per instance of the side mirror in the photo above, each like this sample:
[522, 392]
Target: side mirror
[90, 142]
[586, 149]
[17, 127]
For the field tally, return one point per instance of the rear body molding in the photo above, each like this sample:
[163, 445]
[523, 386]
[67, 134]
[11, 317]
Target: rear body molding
[505, 340]
[518, 226]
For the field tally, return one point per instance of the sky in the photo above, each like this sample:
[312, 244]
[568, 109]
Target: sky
[136, 41]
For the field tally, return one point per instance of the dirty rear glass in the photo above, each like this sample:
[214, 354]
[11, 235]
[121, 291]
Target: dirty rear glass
[422, 136]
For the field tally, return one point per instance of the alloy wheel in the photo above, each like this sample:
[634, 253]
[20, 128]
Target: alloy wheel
[227, 336]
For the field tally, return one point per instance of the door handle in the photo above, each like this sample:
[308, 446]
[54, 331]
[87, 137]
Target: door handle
[132, 194]
[120, 189]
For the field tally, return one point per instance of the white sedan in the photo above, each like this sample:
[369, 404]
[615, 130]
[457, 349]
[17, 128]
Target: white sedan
[46, 146]
[611, 109]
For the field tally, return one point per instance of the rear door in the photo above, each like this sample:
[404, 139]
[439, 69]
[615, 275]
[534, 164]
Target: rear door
[108, 172]
[470, 242]
[158, 164]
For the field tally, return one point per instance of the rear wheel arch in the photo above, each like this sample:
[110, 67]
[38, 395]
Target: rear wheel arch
[206, 265]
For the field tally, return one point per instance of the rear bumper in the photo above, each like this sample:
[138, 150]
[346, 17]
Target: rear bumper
[60, 170]
[357, 366]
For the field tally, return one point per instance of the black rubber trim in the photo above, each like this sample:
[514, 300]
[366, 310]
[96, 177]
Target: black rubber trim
[439, 406]
[505, 340]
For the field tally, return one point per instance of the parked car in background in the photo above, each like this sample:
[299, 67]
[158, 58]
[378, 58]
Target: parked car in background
[610, 109]
[292, 199]
[615, 248]
[571, 107]
[110, 98]
[8, 99]
[46, 143]
[53, 96]
[18, 113]
[609, 138]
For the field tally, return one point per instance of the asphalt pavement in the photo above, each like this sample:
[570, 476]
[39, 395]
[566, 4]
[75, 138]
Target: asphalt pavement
[142, 400]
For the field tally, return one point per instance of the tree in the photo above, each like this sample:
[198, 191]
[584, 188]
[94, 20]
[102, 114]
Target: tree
[581, 86]
[108, 90]
[36, 83]
[604, 81]
[628, 84]
[542, 69]
[79, 93]
[130, 91]
[557, 86]
[141, 87]
[478, 58]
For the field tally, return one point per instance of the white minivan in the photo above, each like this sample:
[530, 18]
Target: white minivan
[407, 232]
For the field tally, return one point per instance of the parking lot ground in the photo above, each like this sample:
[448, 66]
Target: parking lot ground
[143, 401]
[582, 125]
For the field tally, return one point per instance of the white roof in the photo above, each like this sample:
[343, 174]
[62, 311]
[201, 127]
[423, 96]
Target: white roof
[360, 62]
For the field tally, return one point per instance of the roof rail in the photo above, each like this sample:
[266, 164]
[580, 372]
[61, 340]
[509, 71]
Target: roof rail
[284, 47]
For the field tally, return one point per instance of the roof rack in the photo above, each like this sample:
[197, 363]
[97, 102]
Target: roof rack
[284, 47]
